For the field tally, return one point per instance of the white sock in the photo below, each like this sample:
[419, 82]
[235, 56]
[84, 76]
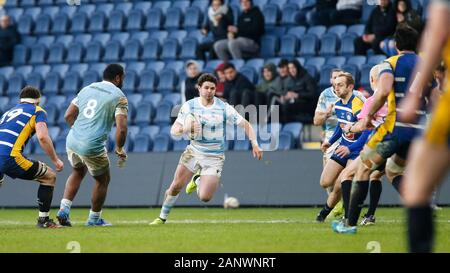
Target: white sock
[43, 214]
[329, 190]
[167, 206]
[95, 215]
[197, 182]
[65, 203]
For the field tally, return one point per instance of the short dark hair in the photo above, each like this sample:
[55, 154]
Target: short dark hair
[228, 65]
[283, 63]
[206, 77]
[406, 38]
[112, 71]
[30, 92]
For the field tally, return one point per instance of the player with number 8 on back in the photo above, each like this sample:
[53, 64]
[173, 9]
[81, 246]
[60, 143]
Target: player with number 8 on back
[91, 116]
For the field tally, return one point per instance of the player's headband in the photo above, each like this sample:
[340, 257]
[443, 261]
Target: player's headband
[29, 100]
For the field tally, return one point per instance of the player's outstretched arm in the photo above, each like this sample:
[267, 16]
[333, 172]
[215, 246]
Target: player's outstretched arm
[47, 145]
[71, 114]
[121, 134]
[386, 81]
[250, 132]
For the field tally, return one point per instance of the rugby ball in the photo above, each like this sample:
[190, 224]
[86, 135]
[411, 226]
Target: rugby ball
[231, 203]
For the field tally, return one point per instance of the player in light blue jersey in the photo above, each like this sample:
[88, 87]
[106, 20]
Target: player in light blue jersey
[91, 116]
[204, 119]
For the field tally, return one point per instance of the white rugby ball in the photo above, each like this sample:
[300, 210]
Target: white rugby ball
[231, 203]
[188, 125]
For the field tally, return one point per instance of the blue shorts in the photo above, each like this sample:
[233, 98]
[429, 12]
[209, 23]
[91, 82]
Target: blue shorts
[343, 160]
[21, 167]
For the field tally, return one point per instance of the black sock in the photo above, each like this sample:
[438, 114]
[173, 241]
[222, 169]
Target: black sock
[420, 229]
[375, 192]
[397, 183]
[346, 187]
[325, 210]
[45, 196]
[357, 201]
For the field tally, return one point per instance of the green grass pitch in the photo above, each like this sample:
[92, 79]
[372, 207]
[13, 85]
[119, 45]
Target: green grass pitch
[248, 230]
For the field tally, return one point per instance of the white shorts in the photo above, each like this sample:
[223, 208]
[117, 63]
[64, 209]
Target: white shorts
[96, 164]
[207, 164]
[329, 152]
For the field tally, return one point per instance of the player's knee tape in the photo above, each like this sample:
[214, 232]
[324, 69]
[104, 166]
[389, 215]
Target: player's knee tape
[393, 168]
[368, 163]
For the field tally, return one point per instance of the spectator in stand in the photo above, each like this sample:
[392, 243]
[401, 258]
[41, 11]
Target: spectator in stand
[381, 24]
[9, 37]
[439, 75]
[220, 17]
[320, 15]
[238, 89]
[245, 38]
[298, 104]
[267, 84]
[190, 83]
[348, 12]
[405, 15]
[221, 83]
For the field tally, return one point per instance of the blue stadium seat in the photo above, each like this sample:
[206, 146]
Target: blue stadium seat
[15, 14]
[98, 22]
[38, 54]
[42, 69]
[56, 53]
[317, 62]
[60, 23]
[34, 79]
[289, 46]
[154, 19]
[143, 6]
[295, 128]
[103, 38]
[177, 66]
[312, 70]
[15, 84]
[366, 10]
[52, 84]
[131, 81]
[317, 30]
[52, 113]
[250, 73]
[201, 4]
[3, 87]
[88, 9]
[135, 99]
[24, 70]
[150, 130]
[162, 143]
[286, 141]
[113, 52]
[6, 71]
[60, 145]
[93, 52]
[337, 29]
[271, 14]
[4, 101]
[126, 7]
[20, 55]
[64, 39]
[25, 25]
[358, 30]
[83, 38]
[75, 52]
[89, 77]
[50, 10]
[308, 45]
[241, 145]
[182, 4]
[173, 98]
[347, 44]
[43, 23]
[117, 24]
[174, 17]
[376, 59]
[121, 37]
[132, 50]
[148, 82]
[167, 81]
[67, 9]
[138, 67]
[357, 60]
[352, 69]
[337, 61]
[154, 99]
[71, 83]
[238, 63]
[275, 31]
[99, 68]
[288, 13]
[365, 76]
[170, 49]
[142, 144]
[33, 12]
[141, 36]
[144, 114]
[28, 40]
[161, 35]
[269, 46]
[180, 35]
[163, 113]
[56, 100]
[46, 40]
[329, 43]
[80, 68]
[151, 49]
[197, 34]
[163, 5]
[192, 18]
[188, 49]
[79, 22]
[325, 72]
[105, 8]
[256, 63]
[61, 69]
[180, 145]
[136, 20]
